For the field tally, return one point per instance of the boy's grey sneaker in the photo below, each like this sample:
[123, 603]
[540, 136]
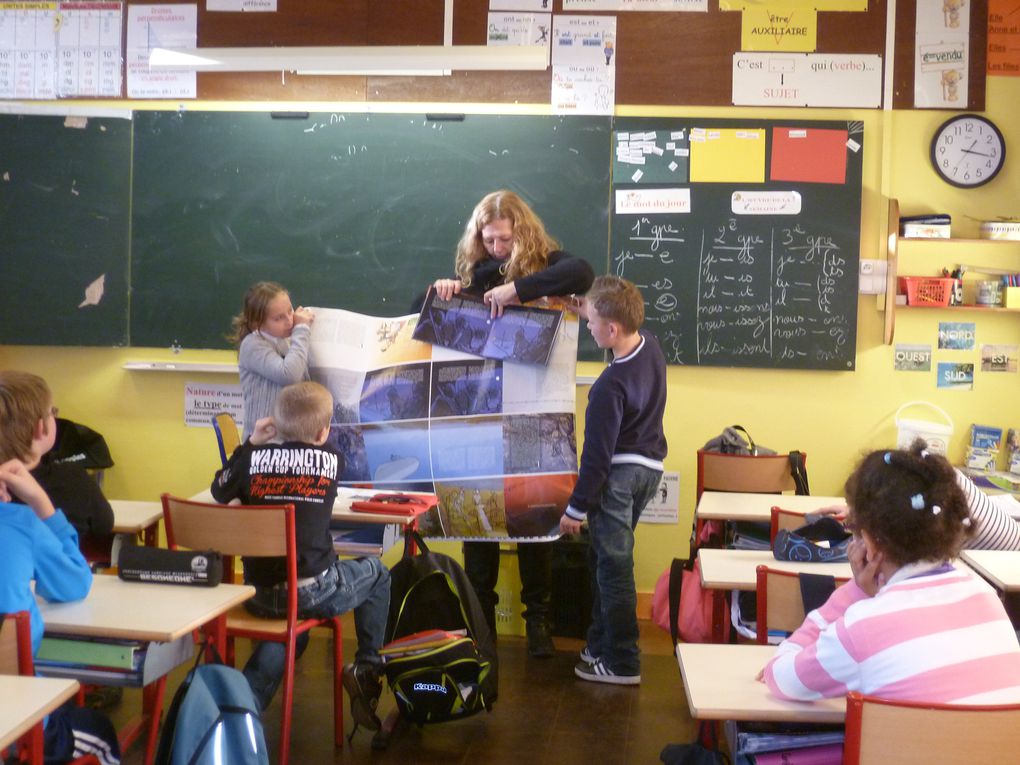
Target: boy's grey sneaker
[587, 656]
[598, 672]
[361, 681]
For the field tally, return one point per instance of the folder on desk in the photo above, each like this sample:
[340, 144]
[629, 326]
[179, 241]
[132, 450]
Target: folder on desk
[395, 504]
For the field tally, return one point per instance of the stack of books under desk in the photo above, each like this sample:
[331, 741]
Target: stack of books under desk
[102, 661]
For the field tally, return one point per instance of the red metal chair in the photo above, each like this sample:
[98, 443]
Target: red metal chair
[780, 606]
[880, 731]
[257, 531]
[16, 659]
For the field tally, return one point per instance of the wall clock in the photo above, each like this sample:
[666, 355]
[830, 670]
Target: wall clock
[967, 151]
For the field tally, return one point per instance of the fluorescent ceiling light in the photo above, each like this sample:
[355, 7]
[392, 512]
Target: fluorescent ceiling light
[375, 59]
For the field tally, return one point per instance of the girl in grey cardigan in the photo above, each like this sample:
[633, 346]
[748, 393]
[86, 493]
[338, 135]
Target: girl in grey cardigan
[272, 340]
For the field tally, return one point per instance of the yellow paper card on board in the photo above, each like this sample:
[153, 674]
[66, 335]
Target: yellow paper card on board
[727, 155]
[778, 29]
[797, 5]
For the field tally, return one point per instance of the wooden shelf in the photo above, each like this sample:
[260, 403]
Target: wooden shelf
[893, 242]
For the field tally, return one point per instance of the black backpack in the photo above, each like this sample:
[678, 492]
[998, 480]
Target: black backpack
[430, 591]
[213, 718]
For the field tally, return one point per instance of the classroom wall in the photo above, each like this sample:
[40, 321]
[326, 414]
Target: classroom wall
[832, 416]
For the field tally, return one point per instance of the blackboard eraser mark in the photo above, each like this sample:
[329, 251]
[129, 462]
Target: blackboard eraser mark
[444, 117]
[289, 115]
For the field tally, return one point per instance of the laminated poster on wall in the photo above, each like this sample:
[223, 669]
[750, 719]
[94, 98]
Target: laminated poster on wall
[912, 358]
[493, 439]
[956, 376]
[957, 335]
[665, 505]
[999, 358]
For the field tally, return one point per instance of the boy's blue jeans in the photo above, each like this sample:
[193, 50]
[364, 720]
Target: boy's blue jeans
[362, 585]
[613, 634]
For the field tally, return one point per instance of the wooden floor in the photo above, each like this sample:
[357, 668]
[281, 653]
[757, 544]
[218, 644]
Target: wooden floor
[543, 715]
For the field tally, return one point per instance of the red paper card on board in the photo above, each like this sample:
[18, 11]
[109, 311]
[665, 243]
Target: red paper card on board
[808, 155]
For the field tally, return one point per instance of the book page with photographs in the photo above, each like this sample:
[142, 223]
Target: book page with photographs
[493, 439]
[524, 333]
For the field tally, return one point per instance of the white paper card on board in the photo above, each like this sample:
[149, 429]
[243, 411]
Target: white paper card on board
[665, 505]
[203, 400]
[807, 79]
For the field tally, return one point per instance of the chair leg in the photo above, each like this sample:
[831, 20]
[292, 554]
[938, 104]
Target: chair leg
[287, 709]
[338, 683]
[153, 699]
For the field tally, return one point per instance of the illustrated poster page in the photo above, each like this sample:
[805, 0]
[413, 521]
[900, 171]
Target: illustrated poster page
[159, 26]
[508, 28]
[494, 440]
[584, 64]
[942, 54]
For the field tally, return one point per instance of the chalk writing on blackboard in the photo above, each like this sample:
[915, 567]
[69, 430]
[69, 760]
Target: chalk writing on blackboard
[745, 292]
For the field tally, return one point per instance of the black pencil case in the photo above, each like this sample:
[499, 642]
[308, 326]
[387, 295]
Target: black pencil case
[199, 568]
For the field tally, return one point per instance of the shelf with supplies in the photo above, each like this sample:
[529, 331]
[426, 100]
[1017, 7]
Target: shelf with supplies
[930, 292]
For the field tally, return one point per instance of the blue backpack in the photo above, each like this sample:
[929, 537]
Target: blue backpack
[213, 718]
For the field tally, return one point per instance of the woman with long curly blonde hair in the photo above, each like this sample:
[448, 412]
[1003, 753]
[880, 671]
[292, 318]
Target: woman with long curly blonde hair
[506, 256]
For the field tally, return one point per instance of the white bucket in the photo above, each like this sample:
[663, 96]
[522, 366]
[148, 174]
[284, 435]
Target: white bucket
[936, 434]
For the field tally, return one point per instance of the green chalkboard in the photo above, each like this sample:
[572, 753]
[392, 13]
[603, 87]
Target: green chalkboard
[64, 205]
[355, 211]
[744, 237]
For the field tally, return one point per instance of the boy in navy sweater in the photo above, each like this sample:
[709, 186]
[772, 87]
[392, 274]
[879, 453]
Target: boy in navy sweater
[621, 467]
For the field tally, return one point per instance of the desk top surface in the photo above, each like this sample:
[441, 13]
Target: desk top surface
[735, 569]
[131, 516]
[140, 610]
[720, 685]
[24, 701]
[737, 506]
[342, 507]
[1000, 567]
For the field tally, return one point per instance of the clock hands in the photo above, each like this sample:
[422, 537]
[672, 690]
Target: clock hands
[980, 154]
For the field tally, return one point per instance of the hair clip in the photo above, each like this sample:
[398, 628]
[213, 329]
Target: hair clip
[966, 522]
[888, 458]
[917, 502]
[924, 453]
[935, 509]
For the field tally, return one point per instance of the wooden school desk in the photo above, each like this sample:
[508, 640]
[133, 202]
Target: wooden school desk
[737, 506]
[720, 684]
[145, 612]
[1000, 567]
[736, 569]
[342, 512]
[131, 517]
[25, 701]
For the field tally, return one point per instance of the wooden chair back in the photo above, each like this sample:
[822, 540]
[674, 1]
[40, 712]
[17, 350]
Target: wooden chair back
[228, 437]
[880, 731]
[761, 474]
[780, 606]
[783, 519]
[249, 530]
[16, 644]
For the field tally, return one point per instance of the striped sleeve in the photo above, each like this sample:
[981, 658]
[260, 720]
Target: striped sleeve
[996, 530]
[816, 660]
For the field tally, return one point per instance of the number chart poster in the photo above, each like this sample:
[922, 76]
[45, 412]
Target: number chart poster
[743, 236]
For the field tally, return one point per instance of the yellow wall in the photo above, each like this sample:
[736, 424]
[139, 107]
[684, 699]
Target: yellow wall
[830, 415]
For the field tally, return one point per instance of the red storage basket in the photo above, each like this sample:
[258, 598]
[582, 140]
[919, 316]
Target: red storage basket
[927, 290]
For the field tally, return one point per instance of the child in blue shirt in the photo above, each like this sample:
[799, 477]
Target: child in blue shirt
[37, 543]
[621, 466]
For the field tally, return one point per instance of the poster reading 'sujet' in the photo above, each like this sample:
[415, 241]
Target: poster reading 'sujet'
[492, 438]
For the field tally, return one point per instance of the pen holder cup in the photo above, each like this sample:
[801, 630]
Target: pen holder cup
[1012, 297]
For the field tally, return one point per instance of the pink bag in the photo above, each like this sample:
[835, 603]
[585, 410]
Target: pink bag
[682, 607]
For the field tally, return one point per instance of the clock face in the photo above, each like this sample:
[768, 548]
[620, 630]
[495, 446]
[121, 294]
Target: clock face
[967, 151]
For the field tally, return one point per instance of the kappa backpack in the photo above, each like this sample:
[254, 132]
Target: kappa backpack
[456, 678]
[213, 718]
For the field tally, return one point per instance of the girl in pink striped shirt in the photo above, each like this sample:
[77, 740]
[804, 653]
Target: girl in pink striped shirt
[910, 625]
